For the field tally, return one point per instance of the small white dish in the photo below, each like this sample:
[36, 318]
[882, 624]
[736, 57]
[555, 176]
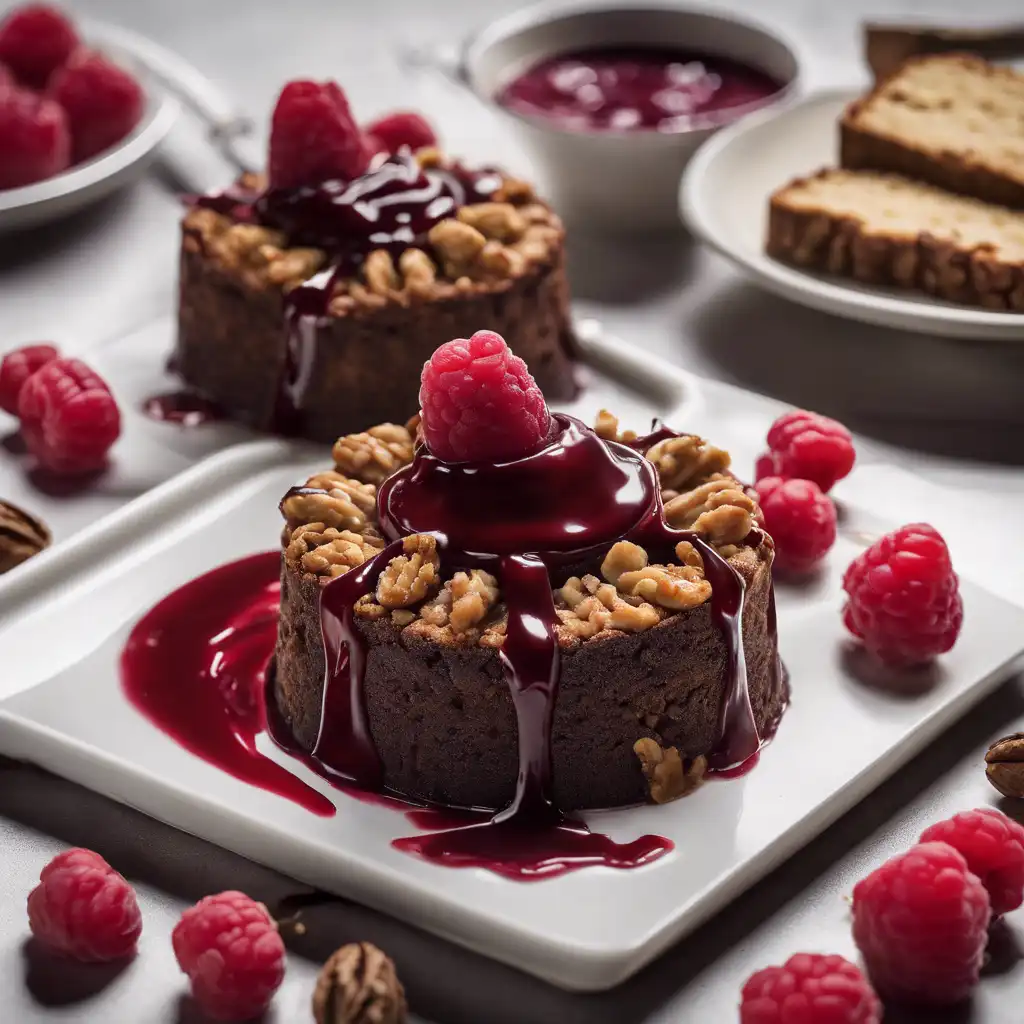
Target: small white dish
[624, 181]
[724, 199]
[84, 184]
[61, 707]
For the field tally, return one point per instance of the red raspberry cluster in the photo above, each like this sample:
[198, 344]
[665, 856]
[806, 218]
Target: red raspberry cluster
[920, 922]
[228, 944]
[314, 136]
[69, 418]
[807, 454]
[60, 103]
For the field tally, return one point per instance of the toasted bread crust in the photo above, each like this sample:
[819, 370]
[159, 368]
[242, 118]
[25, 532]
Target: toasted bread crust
[956, 167]
[818, 238]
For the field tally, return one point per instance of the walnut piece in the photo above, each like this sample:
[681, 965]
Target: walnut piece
[359, 985]
[473, 596]
[21, 536]
[458, 244]
[607, 427]
[586, 606]
[718, 509]
[667, 777]
[684, 461]
[325, 551]
[375, 454]
[500, 221]
[674, 587]
[380, 273]
[332, 499]
[418, 271]
[624, 556]
[413, 576]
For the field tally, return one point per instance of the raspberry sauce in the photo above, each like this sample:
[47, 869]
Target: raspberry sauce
[187, 408]
[196, 665]
[636, 89]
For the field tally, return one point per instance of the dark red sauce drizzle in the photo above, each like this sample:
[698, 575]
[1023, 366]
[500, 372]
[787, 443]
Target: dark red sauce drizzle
[220, 630]
[195, 664]
[188, 408]
[393, 206]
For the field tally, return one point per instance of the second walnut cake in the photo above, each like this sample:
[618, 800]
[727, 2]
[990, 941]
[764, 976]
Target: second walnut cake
[310, 298]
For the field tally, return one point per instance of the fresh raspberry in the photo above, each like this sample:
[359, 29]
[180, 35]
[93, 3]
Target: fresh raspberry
[6, 79]
[810, 989]
[103, 102]
[993, 846]
[229, 947]
[34, 139]
[35, 40]
[84, 908]
[17, 367]
[904, 598]
[921, 924]
[390, 133]
[800, 519]
[314, 138]
[69, 418]
[479, 403]
[807, 446]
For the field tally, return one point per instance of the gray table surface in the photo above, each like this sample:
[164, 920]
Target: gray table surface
[950, 410]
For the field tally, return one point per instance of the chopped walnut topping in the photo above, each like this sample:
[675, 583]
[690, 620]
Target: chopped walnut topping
[514, 190]
[418, 271]
[293, 266]
[683, 511]
[473, 596]
[592, 606]
[607, 427]
[674, 587]
[689, 555]
[500, 221]
[667, 777]
[374, 455]
[624, 556]
[500, 261]
[413, 576]
[325, 551]
[379, 271]
[429, 156]
[458, 244]
[687, 460]
[332, 499]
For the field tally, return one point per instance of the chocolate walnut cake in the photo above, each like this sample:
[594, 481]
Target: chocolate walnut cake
[655, 577]
[309, 303]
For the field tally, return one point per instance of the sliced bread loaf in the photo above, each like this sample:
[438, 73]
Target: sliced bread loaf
[886, 229]
[953, 120]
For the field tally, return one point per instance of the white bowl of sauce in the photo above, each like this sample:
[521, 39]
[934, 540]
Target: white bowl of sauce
[613, 101]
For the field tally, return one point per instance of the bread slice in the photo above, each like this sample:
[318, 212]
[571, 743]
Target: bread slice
[953, 120]
[886, 229]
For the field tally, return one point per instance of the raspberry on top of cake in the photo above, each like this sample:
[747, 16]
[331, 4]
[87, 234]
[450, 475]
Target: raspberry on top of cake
[465, 509]
[312, 295]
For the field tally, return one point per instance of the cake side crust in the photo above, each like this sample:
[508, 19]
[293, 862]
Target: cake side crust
[436, 708]
[837, 242]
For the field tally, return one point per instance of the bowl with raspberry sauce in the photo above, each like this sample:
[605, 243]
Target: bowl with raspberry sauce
[613, 101]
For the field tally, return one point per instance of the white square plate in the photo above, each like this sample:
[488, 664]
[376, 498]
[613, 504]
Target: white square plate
[588, 930]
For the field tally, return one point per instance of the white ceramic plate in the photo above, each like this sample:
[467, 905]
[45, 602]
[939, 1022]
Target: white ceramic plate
[65, 619]
[724, 199]
[85, 183]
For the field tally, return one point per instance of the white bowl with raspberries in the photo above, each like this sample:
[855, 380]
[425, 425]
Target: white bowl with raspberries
[80, 116]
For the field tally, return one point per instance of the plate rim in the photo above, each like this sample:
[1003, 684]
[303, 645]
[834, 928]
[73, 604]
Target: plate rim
[873, 306]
